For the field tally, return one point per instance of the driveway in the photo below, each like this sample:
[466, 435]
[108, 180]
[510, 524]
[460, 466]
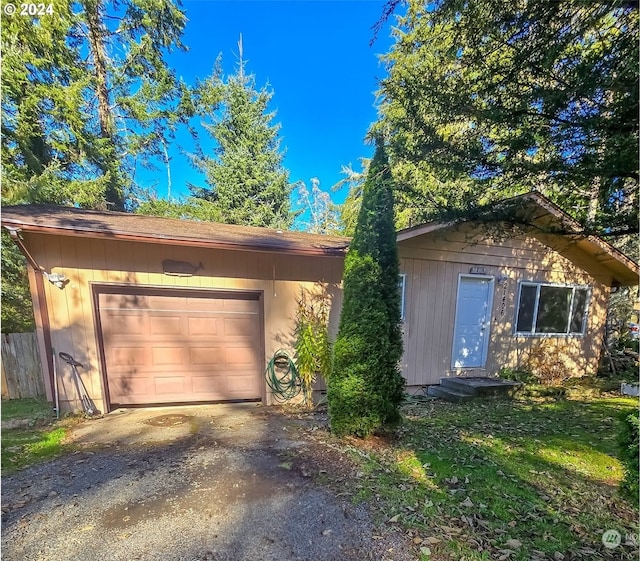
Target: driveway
[216, 482]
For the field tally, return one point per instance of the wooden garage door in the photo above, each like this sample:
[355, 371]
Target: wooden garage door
[172, 347]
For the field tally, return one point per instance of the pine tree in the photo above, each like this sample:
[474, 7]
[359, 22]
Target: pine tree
[486, 99]
[87, 97]
[246, 179]
[365, 388]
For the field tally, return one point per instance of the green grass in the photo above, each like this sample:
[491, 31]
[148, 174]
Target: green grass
[504, 480]
[36, 436]
[28, 408]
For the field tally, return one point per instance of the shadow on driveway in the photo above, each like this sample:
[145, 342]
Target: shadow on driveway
[214, 482]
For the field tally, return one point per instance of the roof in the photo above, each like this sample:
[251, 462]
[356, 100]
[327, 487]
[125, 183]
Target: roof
[546, 219]
[70, 221]
[532, 208]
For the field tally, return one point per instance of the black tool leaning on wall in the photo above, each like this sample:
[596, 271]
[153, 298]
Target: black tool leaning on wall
[87, 404]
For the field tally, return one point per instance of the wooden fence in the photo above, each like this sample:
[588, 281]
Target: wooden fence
[21, 372]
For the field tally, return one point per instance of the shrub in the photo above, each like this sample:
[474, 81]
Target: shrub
[366, 388]
[628, 443]
[313, 346]
[517, 375]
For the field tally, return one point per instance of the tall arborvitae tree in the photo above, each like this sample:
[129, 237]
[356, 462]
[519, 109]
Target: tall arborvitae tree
[365, 388]
[246, 179]
[486, 99]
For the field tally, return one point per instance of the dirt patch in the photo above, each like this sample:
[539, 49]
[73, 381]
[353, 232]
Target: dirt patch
[169, 420]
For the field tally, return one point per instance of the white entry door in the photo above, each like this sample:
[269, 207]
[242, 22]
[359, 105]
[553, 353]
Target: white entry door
[473, 321]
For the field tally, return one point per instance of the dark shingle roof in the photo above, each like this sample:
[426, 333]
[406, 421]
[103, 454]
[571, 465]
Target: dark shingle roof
[136, 227]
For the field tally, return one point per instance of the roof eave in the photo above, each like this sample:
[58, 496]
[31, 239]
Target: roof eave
[173, 240]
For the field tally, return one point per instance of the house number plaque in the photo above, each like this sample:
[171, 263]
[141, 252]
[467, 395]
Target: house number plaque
[478, 271]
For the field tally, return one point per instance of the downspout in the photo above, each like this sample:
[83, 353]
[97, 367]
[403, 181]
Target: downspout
[42, 301]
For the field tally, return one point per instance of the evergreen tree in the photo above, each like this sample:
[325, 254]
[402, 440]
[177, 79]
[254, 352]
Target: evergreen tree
[365, 388]
[86, 98]
[486, 99]
[17, 310]
[246, 179]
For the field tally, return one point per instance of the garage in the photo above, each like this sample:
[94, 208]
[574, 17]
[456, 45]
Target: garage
[162, 346]
[166, 311]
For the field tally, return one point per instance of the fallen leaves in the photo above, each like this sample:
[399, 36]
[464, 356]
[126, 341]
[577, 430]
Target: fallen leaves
[468, 503]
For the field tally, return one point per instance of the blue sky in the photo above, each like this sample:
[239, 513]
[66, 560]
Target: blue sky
[314, 55]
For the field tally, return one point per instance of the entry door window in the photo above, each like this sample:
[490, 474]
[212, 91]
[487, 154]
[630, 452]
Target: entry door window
[472, 321]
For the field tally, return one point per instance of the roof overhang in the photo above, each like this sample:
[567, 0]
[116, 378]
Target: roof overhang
[66, 221]
[549, 224]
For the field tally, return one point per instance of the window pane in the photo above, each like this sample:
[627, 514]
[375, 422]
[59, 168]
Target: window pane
[525, 308]
[553, 309]
[579, 310]
[402, 285]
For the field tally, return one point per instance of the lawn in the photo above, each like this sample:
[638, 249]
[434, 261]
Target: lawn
[503, 480]
[35, 435]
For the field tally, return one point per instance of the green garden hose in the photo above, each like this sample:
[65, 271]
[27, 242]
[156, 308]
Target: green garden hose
[282, 376]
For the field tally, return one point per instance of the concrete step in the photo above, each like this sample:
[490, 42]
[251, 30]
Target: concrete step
[448, 394]
[481, 387]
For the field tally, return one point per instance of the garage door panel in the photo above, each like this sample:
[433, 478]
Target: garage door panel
[125, 324]
[205, 304]
[240, 355]
[131, 387]
[202, 326]
[129, 356]
[170, 385]
[248, 306]
[240, 384]
[123, 301]
[207, 356]
[165, 325]
[165, 302]
[172, 348]
[244, 327]
[208, 385]
[169, 356]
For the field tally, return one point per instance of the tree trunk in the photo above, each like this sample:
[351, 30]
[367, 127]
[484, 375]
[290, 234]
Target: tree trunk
[96, 32]
[96, 45]
[594, 202]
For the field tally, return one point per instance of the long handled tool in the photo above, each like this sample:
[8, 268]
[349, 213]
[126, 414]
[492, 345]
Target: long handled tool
[55, 383]
[87, 405]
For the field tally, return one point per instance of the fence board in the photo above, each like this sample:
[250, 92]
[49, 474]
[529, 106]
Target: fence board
[21, 370]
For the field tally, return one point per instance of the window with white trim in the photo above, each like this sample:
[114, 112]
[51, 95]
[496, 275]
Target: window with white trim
[551, 309]
[402, 286]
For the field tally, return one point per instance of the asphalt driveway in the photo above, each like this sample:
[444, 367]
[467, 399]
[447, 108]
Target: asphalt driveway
[215, 482]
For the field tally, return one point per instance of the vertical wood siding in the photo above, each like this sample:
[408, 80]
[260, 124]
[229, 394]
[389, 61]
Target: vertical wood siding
[85, 261]
[433, 263]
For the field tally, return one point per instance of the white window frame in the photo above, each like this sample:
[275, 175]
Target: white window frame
[402, 284]
[539, 285]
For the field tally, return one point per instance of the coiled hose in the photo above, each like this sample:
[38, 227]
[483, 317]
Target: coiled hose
[282, 376]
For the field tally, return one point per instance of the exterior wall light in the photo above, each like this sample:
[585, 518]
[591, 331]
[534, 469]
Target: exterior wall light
[57, 279]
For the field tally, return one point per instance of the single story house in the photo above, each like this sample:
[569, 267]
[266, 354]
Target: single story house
[172, 311]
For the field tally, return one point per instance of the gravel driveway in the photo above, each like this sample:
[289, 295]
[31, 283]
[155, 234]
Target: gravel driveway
[216, 482]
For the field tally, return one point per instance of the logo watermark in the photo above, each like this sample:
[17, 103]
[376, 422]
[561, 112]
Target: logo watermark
[611, 539]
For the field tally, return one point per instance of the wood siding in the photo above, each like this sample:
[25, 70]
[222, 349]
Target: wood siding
[433, 263]
[87, 262]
